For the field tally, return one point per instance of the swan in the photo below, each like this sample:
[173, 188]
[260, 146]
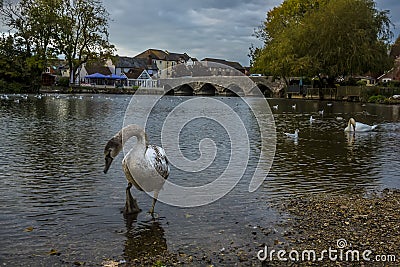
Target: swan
[275, 107]
[321, 112]
[294, 135]
[329, 104]
[145, 166]
[311, 119]
[353, 126]
[294, 106]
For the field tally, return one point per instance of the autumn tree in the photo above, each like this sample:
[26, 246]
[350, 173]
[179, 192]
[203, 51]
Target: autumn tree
[329, 37]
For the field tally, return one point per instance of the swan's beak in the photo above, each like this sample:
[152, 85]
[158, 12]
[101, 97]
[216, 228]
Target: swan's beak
[109, 160]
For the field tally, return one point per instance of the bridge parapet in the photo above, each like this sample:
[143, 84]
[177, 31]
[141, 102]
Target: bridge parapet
[241, 85]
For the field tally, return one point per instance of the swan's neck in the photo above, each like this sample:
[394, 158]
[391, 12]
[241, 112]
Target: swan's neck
[349, 125]
[134, 130]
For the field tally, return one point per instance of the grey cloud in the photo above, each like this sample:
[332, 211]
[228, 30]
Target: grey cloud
[201, 28]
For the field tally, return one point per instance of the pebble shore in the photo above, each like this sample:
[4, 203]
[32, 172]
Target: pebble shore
[355, 222]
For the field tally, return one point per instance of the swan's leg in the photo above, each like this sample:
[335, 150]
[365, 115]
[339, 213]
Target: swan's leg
[131, 205]
[154, 202]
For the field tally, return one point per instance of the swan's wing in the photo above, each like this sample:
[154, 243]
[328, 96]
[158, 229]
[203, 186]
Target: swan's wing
[158, 159]
[361, 127]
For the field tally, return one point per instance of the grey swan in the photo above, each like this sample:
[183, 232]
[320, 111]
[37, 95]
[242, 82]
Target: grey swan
[145, 166]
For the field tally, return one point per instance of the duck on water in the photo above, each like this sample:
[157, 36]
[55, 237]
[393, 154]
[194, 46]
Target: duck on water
[145, 166]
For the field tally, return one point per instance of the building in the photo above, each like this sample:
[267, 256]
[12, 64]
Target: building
[223, 67]
[119, 64]
[393, 74]
[162, 60]
[140, 77]
[96, 68]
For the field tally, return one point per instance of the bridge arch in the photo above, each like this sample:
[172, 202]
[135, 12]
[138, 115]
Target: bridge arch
[207, 89]
[265, 90]
[184, 89]
[168, 90]
[233, 90]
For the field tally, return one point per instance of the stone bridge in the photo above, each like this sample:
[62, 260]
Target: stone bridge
[223, 85]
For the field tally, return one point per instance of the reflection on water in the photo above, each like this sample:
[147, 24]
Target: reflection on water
[54, 195]
[144, 239]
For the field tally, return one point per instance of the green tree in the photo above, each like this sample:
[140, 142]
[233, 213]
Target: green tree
[33, 23]
[329, 37]
[395, 50]
[83, 34]
[47, 28]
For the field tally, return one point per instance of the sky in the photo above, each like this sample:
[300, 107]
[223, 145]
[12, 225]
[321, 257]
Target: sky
[201, 28]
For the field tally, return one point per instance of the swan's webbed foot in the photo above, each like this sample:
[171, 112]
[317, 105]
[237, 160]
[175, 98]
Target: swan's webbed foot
[131, 206]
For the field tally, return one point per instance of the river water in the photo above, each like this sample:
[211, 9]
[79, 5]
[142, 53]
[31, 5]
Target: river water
[59, 208]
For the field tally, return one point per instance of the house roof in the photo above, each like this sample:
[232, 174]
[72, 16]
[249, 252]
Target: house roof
[130, 62]
[162, 55]
[134, 73]
[97, 69]
[232, 64]
[393, 73]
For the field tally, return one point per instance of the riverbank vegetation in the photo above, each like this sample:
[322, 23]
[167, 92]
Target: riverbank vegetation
[324, 39]
[40, 30]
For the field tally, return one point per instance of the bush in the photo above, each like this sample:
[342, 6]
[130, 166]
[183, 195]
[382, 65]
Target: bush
[63, 81]
[361, 83]
[377, 99]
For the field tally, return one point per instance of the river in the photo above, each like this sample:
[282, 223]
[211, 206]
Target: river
[58, 207]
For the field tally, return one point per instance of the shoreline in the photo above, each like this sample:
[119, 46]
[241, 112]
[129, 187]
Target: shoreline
[362, 222]
[129, 91]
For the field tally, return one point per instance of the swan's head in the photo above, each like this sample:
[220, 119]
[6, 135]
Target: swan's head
[352, 122]
[113, 147]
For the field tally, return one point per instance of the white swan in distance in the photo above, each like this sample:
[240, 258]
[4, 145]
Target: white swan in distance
[353, 126]
[294, 135]
[294, 106]
[312, 119]
[145, 166]
[275, 107]
[321, 112]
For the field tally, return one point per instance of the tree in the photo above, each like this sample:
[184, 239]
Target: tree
[46, 28]
[83, 35]
[395, 50]
[329, 37]
[33, 23]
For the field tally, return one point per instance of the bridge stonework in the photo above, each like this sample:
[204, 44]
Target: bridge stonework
[223, 85]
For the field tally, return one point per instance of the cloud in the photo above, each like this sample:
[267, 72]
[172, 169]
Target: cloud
[394, 13]
[201, 28]
[207, 28]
